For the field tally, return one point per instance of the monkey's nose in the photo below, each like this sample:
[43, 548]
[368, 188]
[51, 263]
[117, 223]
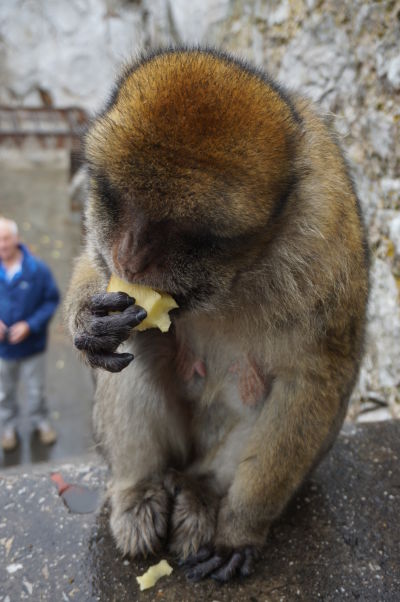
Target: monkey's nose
[139, 262]
[131, 259]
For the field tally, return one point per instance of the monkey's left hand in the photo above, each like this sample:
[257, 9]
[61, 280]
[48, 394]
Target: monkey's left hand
[102, 331]
[221, 564]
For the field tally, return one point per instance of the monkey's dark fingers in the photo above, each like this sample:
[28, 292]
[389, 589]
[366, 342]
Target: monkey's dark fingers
[101, 344]
[105, 302]
[106, 333]
[204, 569]
[230, 568]
[111, 325]
[112, 362]
[250, 557]
[222, 565]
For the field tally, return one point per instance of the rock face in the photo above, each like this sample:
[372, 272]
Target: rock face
[338, 540]
[345, 55]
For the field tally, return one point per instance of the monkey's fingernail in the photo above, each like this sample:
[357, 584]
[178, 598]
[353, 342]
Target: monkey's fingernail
[141, 314]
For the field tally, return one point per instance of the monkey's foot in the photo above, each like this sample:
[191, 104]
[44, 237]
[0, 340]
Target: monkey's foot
[221, 564]
[139, 518]
[193, 516]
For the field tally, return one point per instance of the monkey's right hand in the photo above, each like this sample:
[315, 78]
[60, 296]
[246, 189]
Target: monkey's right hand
[100, 333]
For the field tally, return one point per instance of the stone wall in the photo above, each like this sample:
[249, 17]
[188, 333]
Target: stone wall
[346, 55]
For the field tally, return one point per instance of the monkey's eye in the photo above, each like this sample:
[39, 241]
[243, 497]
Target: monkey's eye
[106, 194]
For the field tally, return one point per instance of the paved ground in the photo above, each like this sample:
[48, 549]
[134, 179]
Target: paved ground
[36, 197]
[338, 541]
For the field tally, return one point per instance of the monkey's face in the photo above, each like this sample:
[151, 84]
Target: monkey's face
[187, 164]
[193, 258]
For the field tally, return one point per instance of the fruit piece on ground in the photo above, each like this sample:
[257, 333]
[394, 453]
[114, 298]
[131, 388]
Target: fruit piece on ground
[154, 573]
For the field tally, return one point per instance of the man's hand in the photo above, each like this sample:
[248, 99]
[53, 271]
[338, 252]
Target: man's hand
[3, 330]
[18, 332]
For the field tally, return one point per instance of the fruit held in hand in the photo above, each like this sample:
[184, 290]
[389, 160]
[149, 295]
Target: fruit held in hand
[156, 304]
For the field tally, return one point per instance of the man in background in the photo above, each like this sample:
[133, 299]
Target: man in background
[28, 299]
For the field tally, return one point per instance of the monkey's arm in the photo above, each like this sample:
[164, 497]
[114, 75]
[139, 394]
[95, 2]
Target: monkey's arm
[95, 332]
[298, 422]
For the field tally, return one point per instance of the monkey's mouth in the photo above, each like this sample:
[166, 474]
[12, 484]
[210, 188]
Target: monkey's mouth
[195, 298]
[187, 299]
[183, 302]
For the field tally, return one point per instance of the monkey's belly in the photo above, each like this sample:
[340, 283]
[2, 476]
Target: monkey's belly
[188, 365]
[250, 383]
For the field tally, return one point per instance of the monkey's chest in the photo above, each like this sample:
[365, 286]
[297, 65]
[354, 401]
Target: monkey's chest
[212, 373]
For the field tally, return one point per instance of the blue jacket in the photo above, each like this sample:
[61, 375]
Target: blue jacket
[32, 295]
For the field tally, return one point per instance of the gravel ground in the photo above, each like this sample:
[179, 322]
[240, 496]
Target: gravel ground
[338, 540]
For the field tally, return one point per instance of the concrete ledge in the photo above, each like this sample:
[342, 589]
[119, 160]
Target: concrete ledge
[338, 540]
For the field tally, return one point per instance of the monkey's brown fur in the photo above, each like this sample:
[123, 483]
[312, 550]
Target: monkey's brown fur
[211, 183]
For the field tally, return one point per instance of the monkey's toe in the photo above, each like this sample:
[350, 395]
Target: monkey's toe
[139, 519]
[222, 565]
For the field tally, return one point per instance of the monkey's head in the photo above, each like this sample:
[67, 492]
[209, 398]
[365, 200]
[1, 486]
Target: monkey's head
[189, 164]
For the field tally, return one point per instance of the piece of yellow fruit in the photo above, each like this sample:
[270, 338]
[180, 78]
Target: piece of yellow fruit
[155, 572]
[156, 304]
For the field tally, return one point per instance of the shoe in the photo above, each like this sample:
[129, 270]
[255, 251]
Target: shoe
[47, 435]
[9, 440]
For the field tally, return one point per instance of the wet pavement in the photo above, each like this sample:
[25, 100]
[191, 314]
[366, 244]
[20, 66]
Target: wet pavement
[338, 540]
[36, 196]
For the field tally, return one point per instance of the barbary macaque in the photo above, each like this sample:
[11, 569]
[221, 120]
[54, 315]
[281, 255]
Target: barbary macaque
[213, 184]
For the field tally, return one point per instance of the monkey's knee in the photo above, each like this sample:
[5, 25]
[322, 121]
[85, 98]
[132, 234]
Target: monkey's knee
[139, 518]
[193, 515]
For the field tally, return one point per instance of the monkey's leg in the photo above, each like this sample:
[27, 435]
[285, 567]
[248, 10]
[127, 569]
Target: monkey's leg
[141, 432]
[300, 418]
[139, 516]
[193, 514]
[135, 429]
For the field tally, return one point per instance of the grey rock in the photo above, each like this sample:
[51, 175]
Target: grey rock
[274, 13]
[377, 415]
[337, 540]
[193, 26]
[317, 62]
[380, 369]
[394, 232]
[72, 50]
[393, 72]
[379, 128]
